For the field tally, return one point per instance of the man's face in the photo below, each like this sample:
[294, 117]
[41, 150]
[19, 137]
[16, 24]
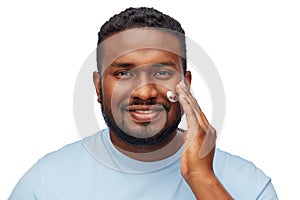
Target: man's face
[134, 84]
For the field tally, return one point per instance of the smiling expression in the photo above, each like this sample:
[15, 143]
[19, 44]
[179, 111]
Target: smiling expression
[134, 84]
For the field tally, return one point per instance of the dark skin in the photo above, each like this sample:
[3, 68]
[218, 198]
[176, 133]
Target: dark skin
[137, 75]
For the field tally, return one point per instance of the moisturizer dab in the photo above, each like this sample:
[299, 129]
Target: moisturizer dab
[172, 97]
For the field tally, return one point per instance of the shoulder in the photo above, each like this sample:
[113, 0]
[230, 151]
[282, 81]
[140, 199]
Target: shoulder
[58, 172]
[239, 175]
[28, 186]
[226, 164]
[72, 154]
[67, 152]
[224, 159]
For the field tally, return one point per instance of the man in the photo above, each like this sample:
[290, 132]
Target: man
[143, 88]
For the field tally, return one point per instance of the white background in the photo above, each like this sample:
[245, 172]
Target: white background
[255, 45]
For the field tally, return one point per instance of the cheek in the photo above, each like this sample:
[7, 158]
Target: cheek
[169, 85]
[174, 113]
[175, 109]
[114, 92]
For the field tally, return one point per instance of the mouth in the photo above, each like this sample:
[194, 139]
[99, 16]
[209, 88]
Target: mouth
[145, 113]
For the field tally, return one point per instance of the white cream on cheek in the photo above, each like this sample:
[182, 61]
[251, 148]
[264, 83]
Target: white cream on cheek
[172, 97]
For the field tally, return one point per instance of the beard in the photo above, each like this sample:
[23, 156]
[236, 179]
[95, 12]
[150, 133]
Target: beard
[128, 135]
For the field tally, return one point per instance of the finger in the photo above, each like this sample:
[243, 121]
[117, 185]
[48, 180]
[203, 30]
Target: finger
[181, 89]
[207, 132]
[191, 118]
[200, 115]
[209, 143]
[193, 126]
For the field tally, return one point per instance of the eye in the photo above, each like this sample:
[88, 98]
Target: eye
[123, 74]
[163, 74]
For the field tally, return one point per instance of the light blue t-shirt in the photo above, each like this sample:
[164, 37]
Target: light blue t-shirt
[94, 169]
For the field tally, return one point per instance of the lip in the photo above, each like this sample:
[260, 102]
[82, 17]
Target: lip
[145, 113]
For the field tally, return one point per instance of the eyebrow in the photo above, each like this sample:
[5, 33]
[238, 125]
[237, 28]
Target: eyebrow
[128, 64]
[162, 64]
[122, 64]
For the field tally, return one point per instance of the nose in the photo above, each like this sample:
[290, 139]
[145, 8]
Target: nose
[145, 92]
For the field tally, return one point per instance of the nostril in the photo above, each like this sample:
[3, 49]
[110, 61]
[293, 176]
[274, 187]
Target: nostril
[139, 101]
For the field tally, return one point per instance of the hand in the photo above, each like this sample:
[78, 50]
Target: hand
[198, 155]
[200, 138]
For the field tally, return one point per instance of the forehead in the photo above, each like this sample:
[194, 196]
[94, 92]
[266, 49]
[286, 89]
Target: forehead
[131, 40]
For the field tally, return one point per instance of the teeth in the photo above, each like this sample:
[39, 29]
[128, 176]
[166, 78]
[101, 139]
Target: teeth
[145, 111]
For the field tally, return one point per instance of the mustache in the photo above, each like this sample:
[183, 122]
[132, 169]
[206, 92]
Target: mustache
[148, 102]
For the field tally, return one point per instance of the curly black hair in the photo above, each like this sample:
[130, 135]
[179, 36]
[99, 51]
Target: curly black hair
[139, 18]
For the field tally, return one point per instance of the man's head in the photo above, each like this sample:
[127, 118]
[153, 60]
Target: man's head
[140, 18]
[140, 56]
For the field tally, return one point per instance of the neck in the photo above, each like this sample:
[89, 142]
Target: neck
[149, 153]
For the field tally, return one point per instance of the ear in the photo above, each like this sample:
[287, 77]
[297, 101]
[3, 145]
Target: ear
[188, 79]
[97, 84]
